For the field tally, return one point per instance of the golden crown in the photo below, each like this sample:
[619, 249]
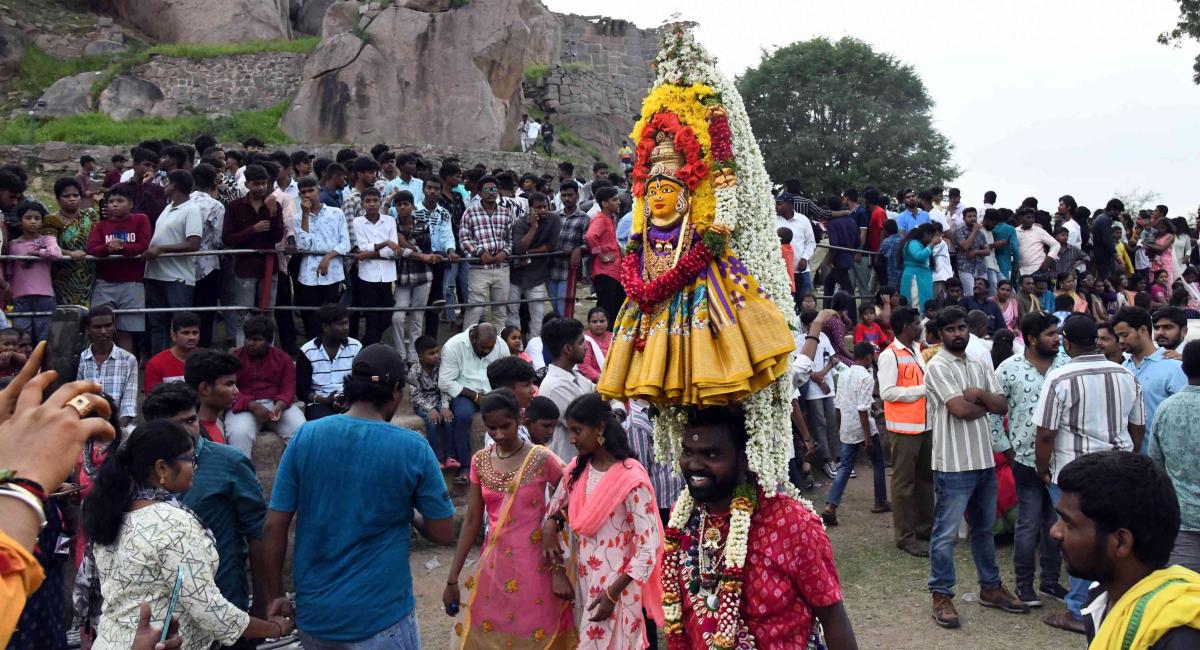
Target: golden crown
[665, 160]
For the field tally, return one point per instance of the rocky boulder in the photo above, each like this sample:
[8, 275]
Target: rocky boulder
[129, 97]
[70, 95]
[207, 21]
[309, 15]
[12, 46]
[449, 78]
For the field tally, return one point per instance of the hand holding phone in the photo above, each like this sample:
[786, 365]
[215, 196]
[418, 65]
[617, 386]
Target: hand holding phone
[166, 624]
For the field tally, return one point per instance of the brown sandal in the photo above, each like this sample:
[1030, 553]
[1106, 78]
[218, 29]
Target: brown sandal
[878, 508]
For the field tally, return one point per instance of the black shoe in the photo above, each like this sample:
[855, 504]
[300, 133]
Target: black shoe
[1027, 595]
[1055, 591]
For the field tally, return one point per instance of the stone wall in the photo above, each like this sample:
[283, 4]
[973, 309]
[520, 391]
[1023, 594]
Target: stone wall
[49, 161]
[616, 49]
[246, 82]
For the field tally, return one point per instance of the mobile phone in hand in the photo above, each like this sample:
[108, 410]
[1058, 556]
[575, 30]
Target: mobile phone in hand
[166, 624]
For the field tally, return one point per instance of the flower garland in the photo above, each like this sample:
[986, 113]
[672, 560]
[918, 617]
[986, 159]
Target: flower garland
[649, 295]
[680, 539]
[694, 169]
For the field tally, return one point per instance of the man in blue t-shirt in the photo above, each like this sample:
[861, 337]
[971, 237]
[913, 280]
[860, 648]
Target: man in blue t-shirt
[355, 483]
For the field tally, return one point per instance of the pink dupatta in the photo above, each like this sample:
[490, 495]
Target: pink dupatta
[587, 513]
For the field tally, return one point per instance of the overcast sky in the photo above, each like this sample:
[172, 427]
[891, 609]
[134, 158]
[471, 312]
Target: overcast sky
[1039, 97]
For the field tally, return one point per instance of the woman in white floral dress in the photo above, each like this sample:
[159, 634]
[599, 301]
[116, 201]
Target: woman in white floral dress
[142, 536]
[607, 502]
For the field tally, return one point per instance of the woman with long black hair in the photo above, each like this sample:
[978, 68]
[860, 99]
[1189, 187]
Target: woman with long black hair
[607, 501]
[144, 539]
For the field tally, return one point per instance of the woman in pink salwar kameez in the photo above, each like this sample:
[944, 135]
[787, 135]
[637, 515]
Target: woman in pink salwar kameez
[607, 502]
[510, 602]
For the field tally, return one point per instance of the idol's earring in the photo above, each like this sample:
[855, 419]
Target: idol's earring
[681, 204]
[645, 208]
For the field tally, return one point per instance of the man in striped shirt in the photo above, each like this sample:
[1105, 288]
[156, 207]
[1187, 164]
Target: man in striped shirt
[962, 390]
[1089, 404]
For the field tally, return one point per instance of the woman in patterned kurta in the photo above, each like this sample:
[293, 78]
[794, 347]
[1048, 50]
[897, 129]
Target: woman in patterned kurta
[142, 536]
[72, 280]
[607, 501]
[509, 601]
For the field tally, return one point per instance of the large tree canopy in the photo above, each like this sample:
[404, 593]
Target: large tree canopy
[1187, 26]
[839, 115]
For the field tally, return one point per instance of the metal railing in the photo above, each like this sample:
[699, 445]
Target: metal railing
[264, 301]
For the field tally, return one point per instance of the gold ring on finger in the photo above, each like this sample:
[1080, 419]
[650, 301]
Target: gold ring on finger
[82, 405]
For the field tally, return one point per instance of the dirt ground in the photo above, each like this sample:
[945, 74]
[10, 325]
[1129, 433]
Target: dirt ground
[884, 590]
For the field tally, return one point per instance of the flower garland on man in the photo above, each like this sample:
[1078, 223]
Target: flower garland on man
[743, 570]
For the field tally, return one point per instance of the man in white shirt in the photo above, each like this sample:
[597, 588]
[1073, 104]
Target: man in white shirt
[563, 337]
[171, 281]
[406, 165]
[532, 130]
[1033, 242]
[804, 243]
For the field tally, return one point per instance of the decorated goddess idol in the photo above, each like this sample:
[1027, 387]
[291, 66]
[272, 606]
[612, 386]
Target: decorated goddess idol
[706, 336]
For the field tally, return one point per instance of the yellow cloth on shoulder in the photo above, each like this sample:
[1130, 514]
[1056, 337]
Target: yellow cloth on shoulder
[717, 341]
[21, 575]
[1160, 602]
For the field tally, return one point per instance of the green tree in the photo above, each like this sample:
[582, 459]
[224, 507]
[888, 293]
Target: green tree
[1187, 26]
[839, 115]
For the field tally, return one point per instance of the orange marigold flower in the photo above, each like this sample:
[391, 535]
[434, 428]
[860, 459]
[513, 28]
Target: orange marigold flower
[510, 586]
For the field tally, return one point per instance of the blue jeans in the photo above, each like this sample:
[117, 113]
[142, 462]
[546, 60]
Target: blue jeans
[453, 280]
[557, 290]
[971, 493]
[803, 285]
[459, 445]
[436, 433]
[160, 293]
[37, 326]
[405, 634]
[1077, 594]
[1035, 516]
[849, 454]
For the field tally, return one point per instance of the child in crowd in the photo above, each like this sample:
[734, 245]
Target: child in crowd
[1063, 307]
[29, 282]
[414, 275]
[597, 338]
[541, 417]
[377, 250]
[119, 284]
[868, 330]
[512, 336]
[168, 364]
[515, 374]
[857, 431]
[11, 359]
[818, 392]
[1069, 255]
[539, 356]
[429, 402]
[789, 254]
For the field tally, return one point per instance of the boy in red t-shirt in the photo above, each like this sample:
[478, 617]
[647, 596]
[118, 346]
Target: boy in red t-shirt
[213, 375]
[168, 364]
[868, 330]
[119, 284]
[789, 255]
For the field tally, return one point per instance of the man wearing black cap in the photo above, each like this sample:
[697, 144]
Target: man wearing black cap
[354, 484]
[1079, 404]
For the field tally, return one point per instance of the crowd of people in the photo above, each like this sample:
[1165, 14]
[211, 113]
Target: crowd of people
[989, 395]
[1062, 412]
